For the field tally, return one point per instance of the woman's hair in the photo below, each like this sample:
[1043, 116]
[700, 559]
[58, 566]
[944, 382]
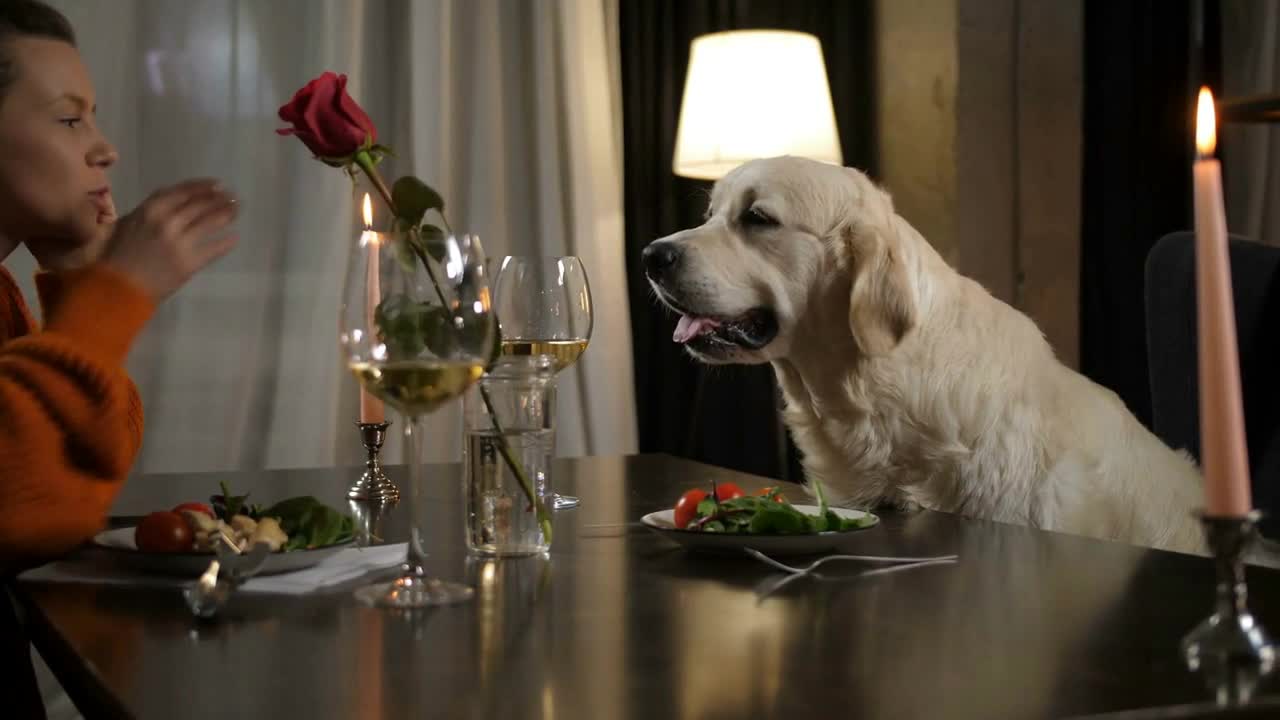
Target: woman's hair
[27, 18]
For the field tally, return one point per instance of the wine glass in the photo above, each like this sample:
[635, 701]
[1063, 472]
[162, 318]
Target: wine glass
[544, 310]
[417, 330]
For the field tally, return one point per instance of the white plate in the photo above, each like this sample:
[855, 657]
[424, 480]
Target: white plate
[663, 523]
[118, 544]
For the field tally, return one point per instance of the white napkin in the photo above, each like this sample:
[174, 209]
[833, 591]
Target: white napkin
[340, 567]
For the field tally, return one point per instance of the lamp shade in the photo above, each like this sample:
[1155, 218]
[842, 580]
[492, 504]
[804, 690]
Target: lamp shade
[751, 94]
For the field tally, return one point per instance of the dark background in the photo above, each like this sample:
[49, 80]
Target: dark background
[1144, 63]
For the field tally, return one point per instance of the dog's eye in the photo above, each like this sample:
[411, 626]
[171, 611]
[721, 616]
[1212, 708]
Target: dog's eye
[757, 217]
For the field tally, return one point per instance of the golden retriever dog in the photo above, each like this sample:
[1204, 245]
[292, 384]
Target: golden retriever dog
[905, 382]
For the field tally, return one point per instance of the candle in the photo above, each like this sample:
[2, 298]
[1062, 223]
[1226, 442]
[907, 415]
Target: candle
[371, 408]
[1222, 440]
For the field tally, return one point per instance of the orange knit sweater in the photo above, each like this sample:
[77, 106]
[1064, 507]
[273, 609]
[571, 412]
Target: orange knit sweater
[70, 417]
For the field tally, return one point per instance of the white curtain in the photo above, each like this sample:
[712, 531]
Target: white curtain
[510, 109]
[1251, 153]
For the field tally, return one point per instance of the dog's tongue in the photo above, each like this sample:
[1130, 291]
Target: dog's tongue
[689, 328]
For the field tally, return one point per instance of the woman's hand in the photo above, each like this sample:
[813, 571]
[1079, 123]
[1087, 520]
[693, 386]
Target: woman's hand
[172, 235]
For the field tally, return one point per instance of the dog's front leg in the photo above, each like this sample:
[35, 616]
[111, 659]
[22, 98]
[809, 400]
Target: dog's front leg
[898, 502]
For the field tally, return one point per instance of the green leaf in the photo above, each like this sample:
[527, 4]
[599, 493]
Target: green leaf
[495, 343]
[325, 526]
[779, 520]
[770, 515]
[413, 198]
[227, 506]
[855, 523]
[438, 333]
[292, 513]
[818, 523]
[404, 252]
[707, 507]
[411, 237]
[348, 531]
[427, 240]
[310, 523]
[398, 327]
[433, 242]
[408, 328]
[835, 523]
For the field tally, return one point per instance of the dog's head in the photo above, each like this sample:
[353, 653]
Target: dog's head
[790, 246]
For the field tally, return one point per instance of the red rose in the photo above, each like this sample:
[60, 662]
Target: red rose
[326, 119]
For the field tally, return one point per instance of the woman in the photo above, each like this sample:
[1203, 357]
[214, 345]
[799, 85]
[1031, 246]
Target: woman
[70, 418]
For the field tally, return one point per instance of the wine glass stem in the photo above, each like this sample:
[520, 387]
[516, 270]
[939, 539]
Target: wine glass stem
[413, 446]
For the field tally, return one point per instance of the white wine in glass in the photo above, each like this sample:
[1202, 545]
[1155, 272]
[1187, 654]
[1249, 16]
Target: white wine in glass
[417, 387]
[560, 353]
[416, 332]
[543, 306]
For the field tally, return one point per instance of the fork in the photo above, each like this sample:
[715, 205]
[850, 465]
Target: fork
[864, 558]
[206, 596]
[797, 573]
[787, 579]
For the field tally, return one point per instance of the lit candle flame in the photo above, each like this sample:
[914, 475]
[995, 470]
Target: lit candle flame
[1206, 124]
[368, 213]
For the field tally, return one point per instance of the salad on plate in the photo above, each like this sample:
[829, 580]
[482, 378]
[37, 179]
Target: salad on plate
[297, 523]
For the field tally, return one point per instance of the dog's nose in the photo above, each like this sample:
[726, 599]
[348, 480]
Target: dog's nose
[659, 258]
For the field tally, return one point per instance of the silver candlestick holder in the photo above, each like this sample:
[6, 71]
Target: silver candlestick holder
[373, 485]
[369, 518]
[1230, 637]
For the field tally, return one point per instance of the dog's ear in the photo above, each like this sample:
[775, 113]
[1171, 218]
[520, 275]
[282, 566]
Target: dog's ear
[882, 307]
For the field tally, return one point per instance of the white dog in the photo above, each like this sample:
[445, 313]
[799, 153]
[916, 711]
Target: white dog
[905, 382]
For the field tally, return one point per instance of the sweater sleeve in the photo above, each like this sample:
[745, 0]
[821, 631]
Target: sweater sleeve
[70, 418]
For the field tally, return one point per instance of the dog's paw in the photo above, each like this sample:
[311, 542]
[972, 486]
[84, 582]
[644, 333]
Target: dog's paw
[898, 504]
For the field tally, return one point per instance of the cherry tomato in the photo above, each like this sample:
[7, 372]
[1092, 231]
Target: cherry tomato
[764, 492]
[194, 507]
[687, 507]
[163, 532]
[728, 491]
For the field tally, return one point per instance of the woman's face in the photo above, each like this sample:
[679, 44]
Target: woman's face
[53, 159]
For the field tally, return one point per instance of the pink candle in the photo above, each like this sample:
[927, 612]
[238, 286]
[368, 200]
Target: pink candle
[1223, 456]
[371, 408]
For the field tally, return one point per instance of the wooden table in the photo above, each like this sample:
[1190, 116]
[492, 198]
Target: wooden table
[619, 623]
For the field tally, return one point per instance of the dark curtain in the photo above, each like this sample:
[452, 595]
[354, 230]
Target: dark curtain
[726, 416]
[1144, 62]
